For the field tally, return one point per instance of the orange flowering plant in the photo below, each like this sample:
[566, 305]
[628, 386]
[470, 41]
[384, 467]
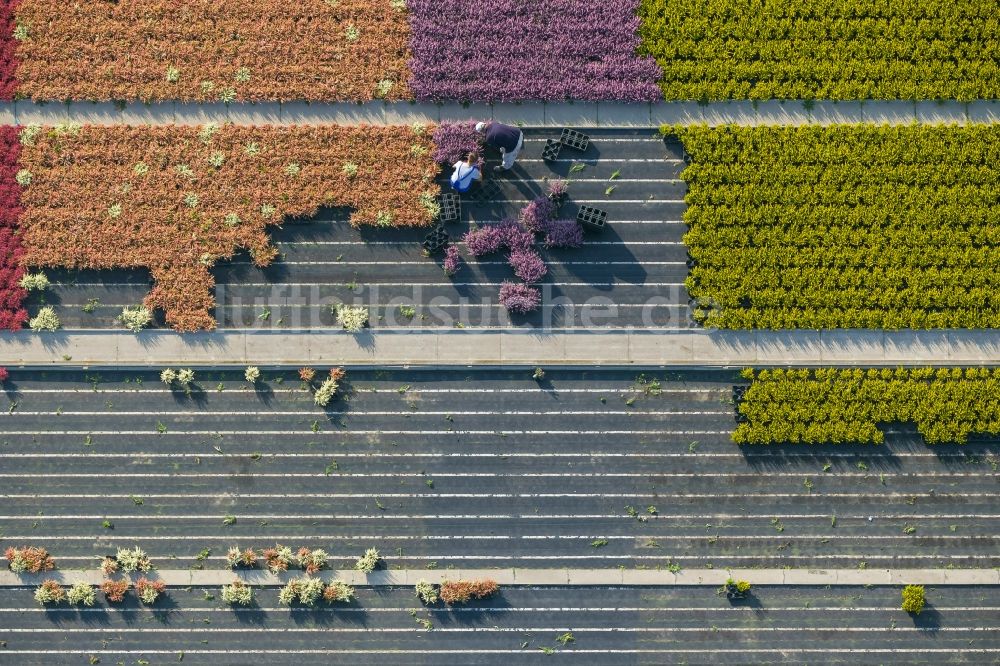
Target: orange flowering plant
[178, 199]
[205, 50]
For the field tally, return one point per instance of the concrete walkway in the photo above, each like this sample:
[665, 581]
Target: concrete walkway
[508, 347]
[569, 577]
[574, 114]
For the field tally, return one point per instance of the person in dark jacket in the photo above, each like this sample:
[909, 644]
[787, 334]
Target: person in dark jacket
[507, 139]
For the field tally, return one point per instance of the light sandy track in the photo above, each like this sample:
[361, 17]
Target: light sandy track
[513, 347]
[572, 577]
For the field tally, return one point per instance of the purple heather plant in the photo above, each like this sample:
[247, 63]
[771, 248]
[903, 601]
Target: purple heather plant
[484, 240]
[536, 214]
[519, 298]
[540, 50]
[514, 236]
[454, 141]
[452, 260]
[557, 188]
[563, 233]
[527, 265]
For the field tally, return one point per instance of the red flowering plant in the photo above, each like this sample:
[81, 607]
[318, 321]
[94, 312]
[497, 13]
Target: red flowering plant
[8, 50]
[12, 295]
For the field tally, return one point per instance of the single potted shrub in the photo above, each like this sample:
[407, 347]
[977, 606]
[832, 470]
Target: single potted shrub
[149, 590]
[557, 192]
[237, 593]
[338, 590]
[369, 561]
[452, 260]
[736, 589]
[913, 599]
[50, 592]
[114, 590]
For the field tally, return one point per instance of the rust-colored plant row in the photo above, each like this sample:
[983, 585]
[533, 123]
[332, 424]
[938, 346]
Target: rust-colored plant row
[178, 199]
[212, 51]
[12, 294]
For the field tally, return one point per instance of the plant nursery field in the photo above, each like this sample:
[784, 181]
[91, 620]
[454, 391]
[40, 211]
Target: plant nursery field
[787, 625]
[848, 226]
[499, 514]
[629, 275]
[471, 468]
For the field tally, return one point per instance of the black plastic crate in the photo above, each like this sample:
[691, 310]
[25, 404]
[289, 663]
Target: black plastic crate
[436, 240]
[451, 207]
[551, 150]
[594, 219]
[486, 192]
[573, 139]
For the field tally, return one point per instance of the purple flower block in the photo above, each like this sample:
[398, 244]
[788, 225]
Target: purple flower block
[563, 233]
[527, 265]
[539, 50]
[483, 241]
[454, 141]
[536, 214]
[452, 260]
[515, 237]
[519, 298]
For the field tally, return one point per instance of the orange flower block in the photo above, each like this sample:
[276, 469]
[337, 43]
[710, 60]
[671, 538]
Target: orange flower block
[178, 199]
[206, 50]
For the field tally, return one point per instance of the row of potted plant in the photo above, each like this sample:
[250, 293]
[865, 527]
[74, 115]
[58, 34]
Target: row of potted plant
[279, 558]
[310, 591]
[845, 226]
[847, 405]
[82, 593]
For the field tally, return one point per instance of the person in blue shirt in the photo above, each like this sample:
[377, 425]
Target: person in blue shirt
[507, 139]
[466, 173]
